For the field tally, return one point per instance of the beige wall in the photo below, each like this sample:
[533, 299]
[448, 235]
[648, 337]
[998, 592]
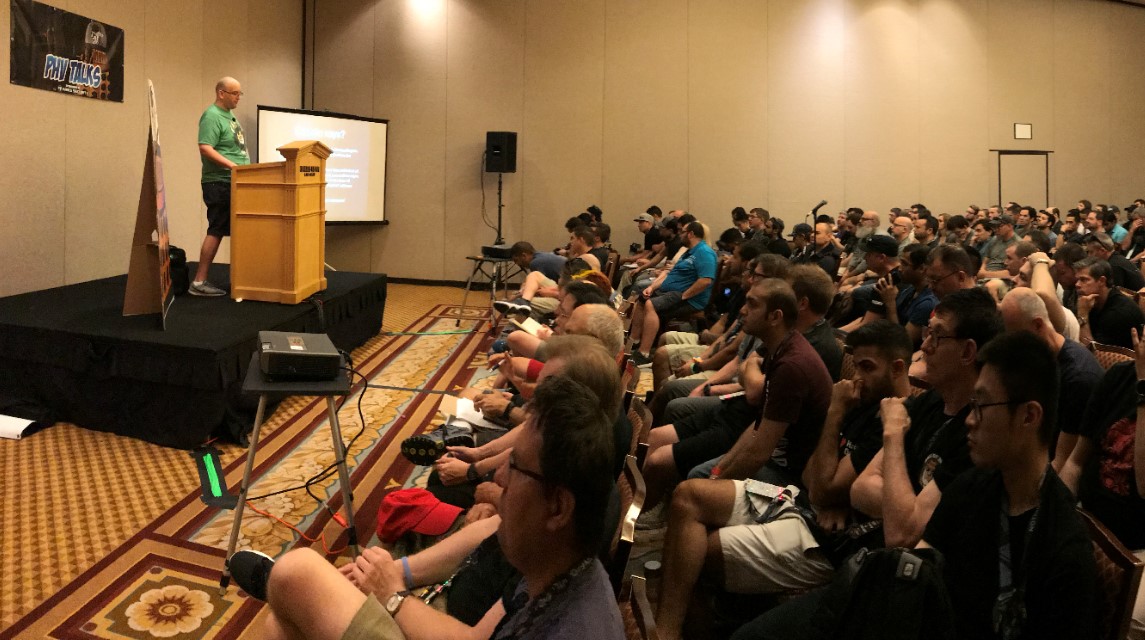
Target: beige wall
[699, 104]
[70, 193]
[706, 104]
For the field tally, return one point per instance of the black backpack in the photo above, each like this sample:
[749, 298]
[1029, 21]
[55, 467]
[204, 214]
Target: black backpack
[892, 594]
[180, 275]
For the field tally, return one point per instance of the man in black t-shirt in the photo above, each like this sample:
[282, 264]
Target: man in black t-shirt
[1104, 313]
[1104, 470]
[924, 448]
[1018, 560]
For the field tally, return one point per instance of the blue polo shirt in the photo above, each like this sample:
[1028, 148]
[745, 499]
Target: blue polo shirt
[548, 263]
[697, 262]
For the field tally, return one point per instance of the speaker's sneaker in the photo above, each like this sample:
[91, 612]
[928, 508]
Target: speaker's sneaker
[206, 289]
[424, 449]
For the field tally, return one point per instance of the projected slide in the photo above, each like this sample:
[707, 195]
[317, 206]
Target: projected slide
[355, 171]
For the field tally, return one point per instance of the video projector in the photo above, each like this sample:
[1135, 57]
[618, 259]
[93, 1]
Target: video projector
[297, 356]
[496, 251]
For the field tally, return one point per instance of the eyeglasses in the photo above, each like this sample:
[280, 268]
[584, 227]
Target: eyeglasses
[233, 93]
[532, 474]
[937, 339]
[976, 407]
[933, 280]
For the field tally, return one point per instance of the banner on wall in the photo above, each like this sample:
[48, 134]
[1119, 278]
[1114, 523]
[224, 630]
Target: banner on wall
[55, 50]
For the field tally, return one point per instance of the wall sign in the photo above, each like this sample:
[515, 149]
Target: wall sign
[55, 50]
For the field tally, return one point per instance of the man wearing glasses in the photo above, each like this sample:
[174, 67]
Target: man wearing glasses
[555, 489]
[925, 447]
[222, 146]
[1019, 562]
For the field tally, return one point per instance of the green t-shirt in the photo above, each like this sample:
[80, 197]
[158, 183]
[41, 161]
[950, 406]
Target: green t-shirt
[222, 131]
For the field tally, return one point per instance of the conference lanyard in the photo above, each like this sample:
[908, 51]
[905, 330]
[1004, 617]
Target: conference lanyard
[1010, 607]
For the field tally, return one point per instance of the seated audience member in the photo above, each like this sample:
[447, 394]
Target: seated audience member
[923, 453]
[1107, 468]
[556, 487]
[1071, 230]
[523, 345]
[457, 475]
[902, 230]
[1065, 275]
[1018, 559]
[601, 237]
[646, 225]
[881, 257]
[544, 270]
[741, 223]
[823, 251]
[926, 232]
[756, 221]
[814, 292]
[581, 241]
[994, 253]
[678, 293]
[1111, 226]
[684, 354]
[957, 230]
[910, 305]
[773, 237]
[856, 262]
[981, 235]
[1105, 314]
[1038, 275]
[1045, 221]
[948, 269]
[664, 259]
[1016, 255]
[924, 450]
[677, 399]
[794, 402]
[713, 523]
[1124, 273]
[801, 243]
[1024, 310]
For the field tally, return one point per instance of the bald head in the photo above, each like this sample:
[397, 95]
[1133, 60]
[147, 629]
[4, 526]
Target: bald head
[227, 93]
[599, 321]
[1020, 307]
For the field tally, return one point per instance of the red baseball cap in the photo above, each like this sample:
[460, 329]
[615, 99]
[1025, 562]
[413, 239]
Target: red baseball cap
[414, 510]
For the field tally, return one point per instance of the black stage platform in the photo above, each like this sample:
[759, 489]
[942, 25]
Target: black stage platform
[68, 355]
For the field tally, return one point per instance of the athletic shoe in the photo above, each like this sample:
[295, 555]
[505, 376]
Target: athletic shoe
[640, 359]
[506, 307]
[251, 570]
[426, 448]
[205, 289]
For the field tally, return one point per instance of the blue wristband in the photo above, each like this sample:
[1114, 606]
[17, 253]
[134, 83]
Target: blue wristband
[407, 573]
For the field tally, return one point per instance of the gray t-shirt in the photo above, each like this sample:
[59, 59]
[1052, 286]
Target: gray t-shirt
[578, 605]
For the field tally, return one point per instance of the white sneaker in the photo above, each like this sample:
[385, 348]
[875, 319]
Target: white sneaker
[509, 307]
[205, 289]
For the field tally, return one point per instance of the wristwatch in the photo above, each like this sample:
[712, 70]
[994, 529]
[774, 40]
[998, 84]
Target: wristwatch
[394, 602]
[471, 473]
[1141, 392]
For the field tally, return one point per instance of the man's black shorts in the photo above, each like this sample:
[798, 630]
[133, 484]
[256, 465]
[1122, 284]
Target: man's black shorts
[217, 196]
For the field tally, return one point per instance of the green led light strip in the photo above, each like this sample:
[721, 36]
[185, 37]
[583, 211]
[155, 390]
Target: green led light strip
[210, 464]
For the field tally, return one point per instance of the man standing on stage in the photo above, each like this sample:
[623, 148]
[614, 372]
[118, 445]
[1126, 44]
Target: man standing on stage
[222, 146]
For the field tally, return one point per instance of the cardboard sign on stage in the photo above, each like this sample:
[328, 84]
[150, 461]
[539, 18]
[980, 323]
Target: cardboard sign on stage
[149, 276]
[56, 50]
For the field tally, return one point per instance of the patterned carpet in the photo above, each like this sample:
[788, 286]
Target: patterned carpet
[106, 537]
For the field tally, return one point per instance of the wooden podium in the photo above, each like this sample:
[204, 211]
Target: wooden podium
[278, 225]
